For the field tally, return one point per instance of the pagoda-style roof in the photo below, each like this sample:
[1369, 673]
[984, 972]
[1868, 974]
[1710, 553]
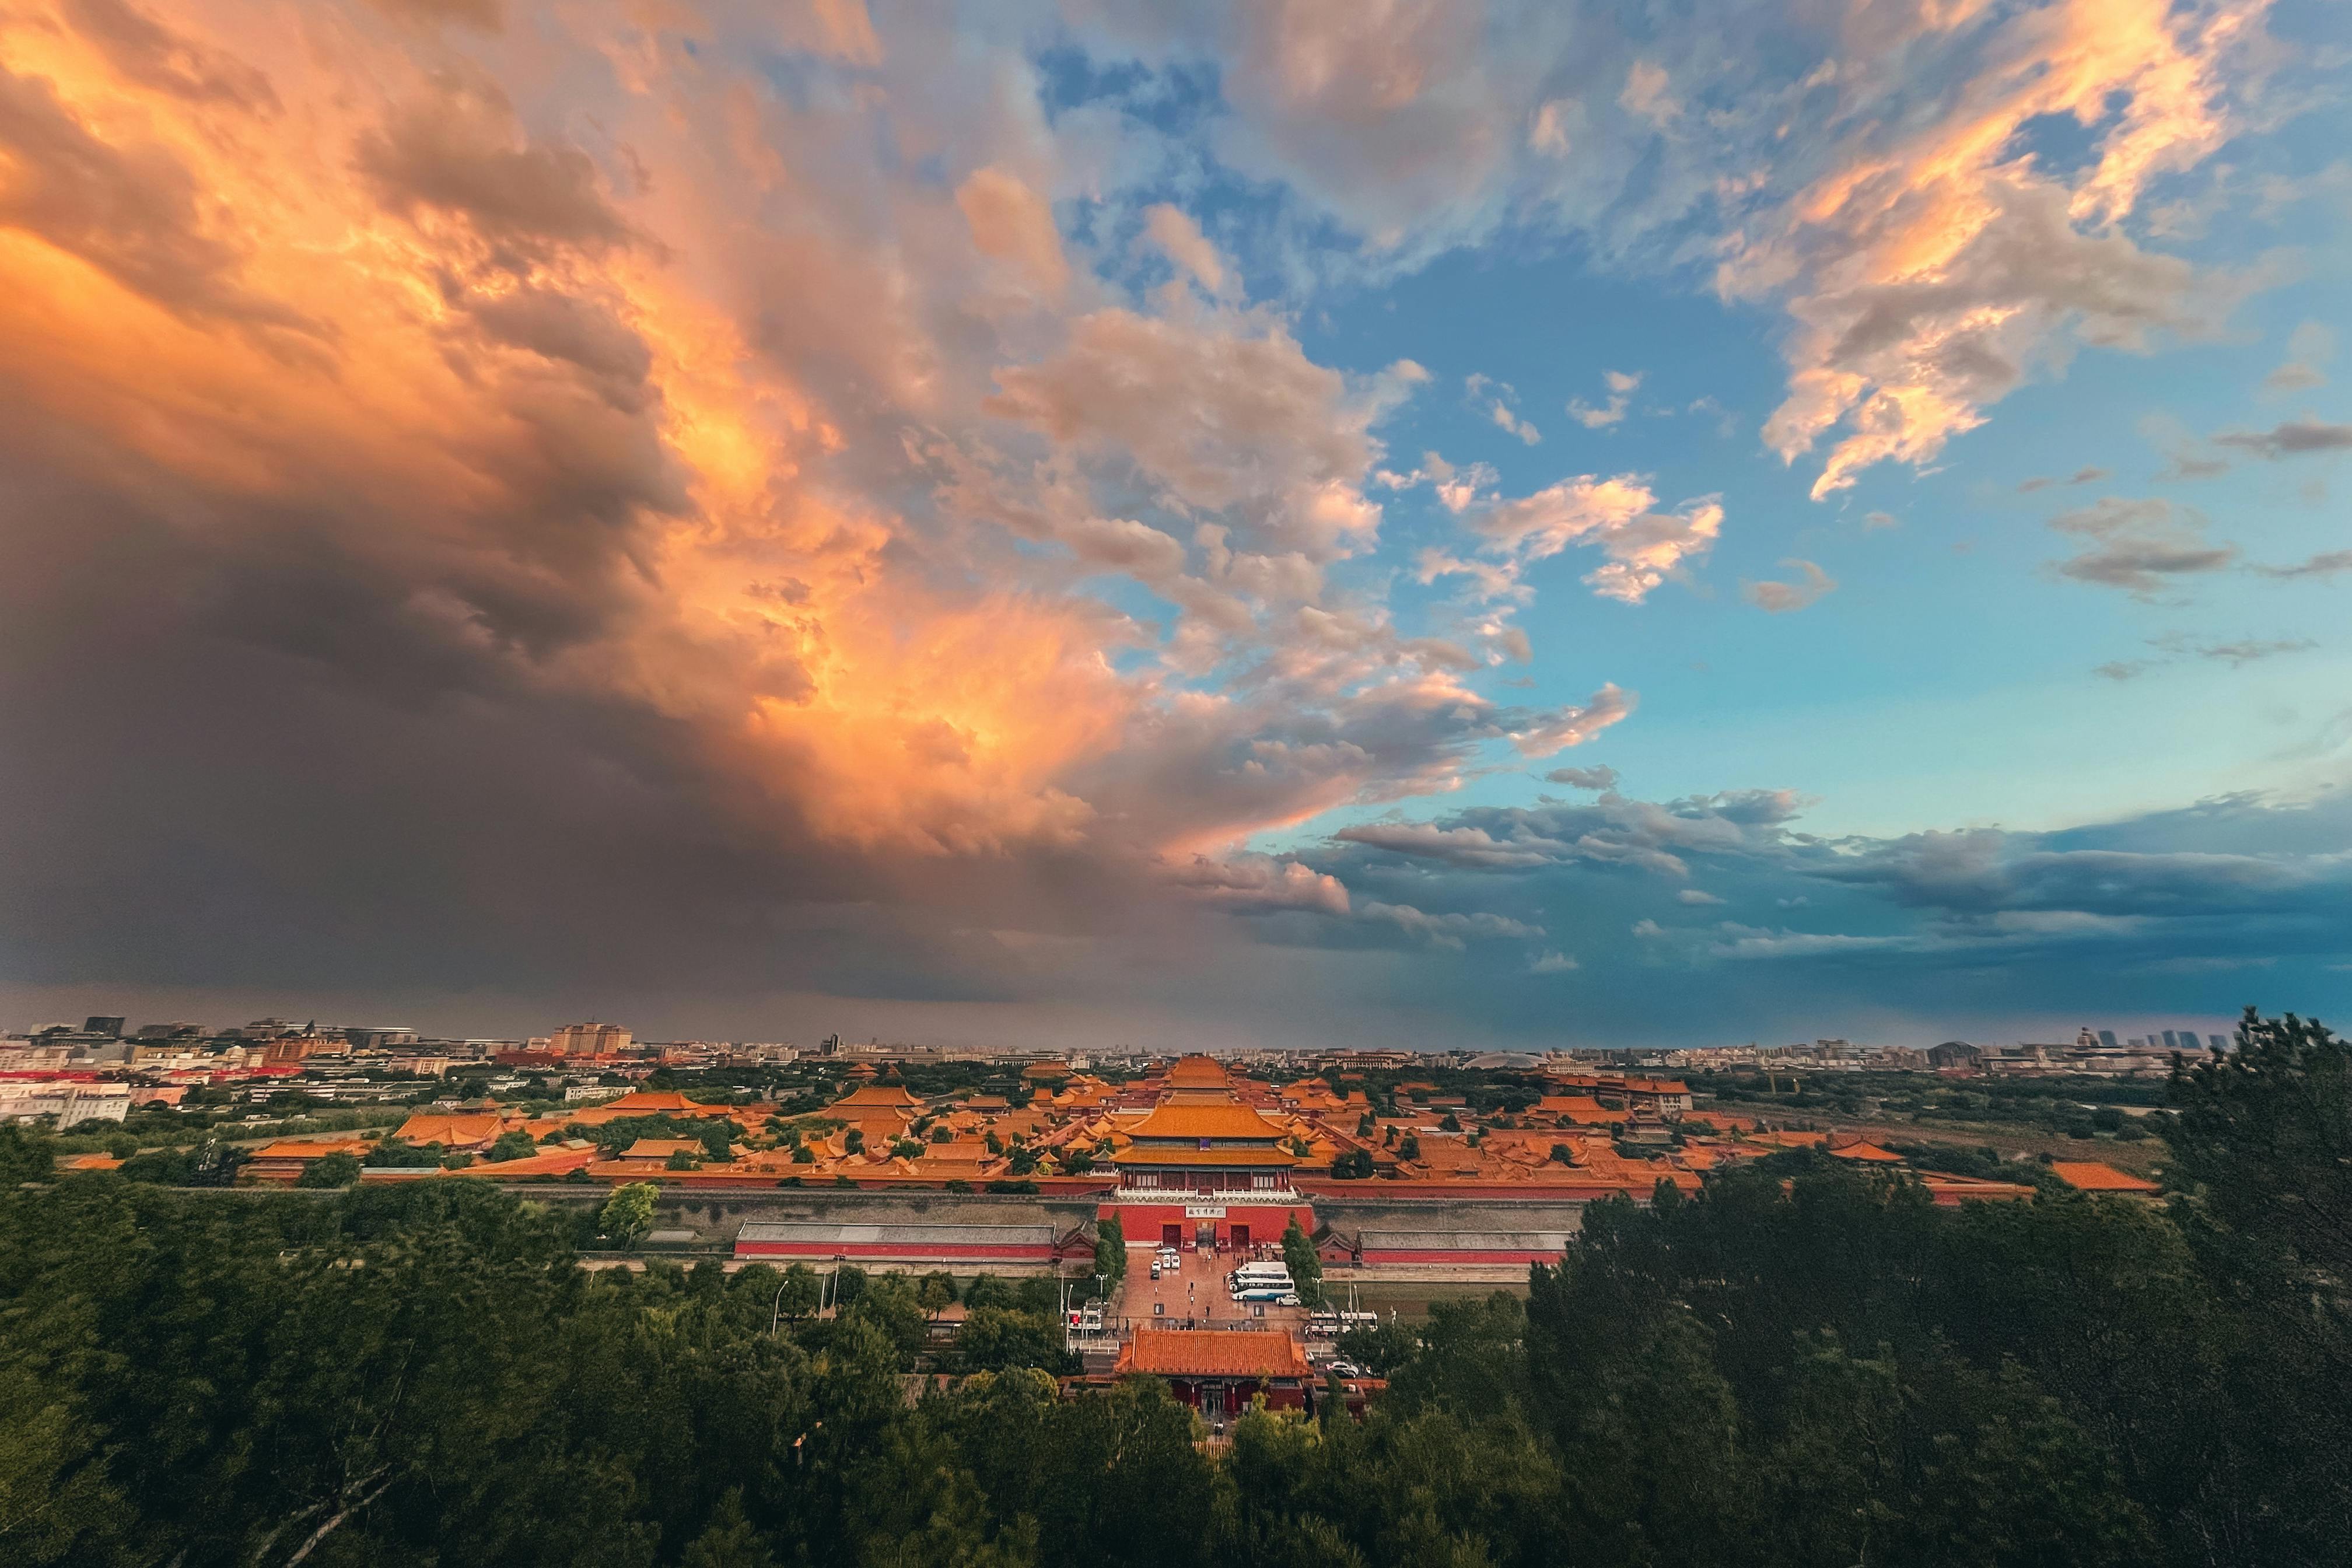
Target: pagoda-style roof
[877, 1097]
[1176, 1154]
[1192, 1122]
[1198, 1072]
[1213, 1353]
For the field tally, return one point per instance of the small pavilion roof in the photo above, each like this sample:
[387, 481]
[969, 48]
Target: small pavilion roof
[1213, 1353]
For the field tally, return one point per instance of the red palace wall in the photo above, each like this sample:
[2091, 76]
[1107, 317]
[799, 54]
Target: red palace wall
[900, 1252]
[1265, 1222]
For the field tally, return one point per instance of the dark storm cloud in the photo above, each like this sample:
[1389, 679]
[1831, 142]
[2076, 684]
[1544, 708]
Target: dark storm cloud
[2325, 565]
[2294, 438]
[1702, 898]
[129, 211]
[1649, 835]
[2139, 547]
[153, 55]
[488, 16]
[262, 767]
[462, 153]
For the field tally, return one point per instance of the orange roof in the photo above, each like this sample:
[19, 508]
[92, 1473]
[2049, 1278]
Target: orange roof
[1575, 1108]
[1954, 1189]
[662, 1148]
[1198, 1072]
[550, 1163]
[1213, 1353]
[1205, 1121]
[311, 1148]
[1137, 1156]
[89, 1163]
[449, 1131]
[877, 1097]
[1860, 1150]
[654, 1101]
[2092, 1176]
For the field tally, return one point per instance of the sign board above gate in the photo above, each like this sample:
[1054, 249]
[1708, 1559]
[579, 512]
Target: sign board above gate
[1204, 1211]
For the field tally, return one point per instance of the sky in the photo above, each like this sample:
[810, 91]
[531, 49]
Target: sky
[1176, 525]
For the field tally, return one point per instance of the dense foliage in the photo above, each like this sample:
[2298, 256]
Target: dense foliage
[1802, 1365]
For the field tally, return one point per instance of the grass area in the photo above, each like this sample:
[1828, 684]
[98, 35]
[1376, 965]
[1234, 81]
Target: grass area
[1411, 1300]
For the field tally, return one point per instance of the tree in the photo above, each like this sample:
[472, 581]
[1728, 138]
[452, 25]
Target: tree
[729, 1541]
[681, 1160]
[27, 1154]
[986, 1291]
[1365, 1125]
[849, 1284]
[1354, 1166]
[799, 1293]
[1450, 1123]
[1306, 1268]
[340, 1169]
[516, 1144]
[1110, 1251]
[993, 1339]
[400, 1155]
[1024, 1160]
[937, 1293]
[1409, 1147]
[1379, 1348]
[628, 1213]
[854, 1141]
[2262, 1141]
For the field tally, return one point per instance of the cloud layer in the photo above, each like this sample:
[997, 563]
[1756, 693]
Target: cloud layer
[717, 498]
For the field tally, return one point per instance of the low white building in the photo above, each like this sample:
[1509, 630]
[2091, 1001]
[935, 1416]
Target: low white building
[70, 1103]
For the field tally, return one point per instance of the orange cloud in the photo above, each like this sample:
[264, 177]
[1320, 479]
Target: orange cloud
[1928, 273]
[610, 376]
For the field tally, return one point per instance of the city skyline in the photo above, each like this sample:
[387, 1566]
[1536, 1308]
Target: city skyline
[1103, 523]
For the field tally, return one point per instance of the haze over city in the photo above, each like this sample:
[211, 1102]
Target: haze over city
[1097, 524]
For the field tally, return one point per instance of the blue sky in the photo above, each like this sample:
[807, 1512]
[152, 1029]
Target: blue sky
[1414, 522]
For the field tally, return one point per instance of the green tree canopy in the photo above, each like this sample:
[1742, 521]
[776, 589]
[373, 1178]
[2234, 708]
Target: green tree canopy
[340, 1169]
[628, 1213]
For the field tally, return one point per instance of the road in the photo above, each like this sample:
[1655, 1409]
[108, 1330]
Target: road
[1194, 1295]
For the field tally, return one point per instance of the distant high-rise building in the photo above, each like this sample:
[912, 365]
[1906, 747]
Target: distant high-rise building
[2172, 1041]
[589, 1039]
[2218, 1042]
[2107, 1039]
[98, 1024]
